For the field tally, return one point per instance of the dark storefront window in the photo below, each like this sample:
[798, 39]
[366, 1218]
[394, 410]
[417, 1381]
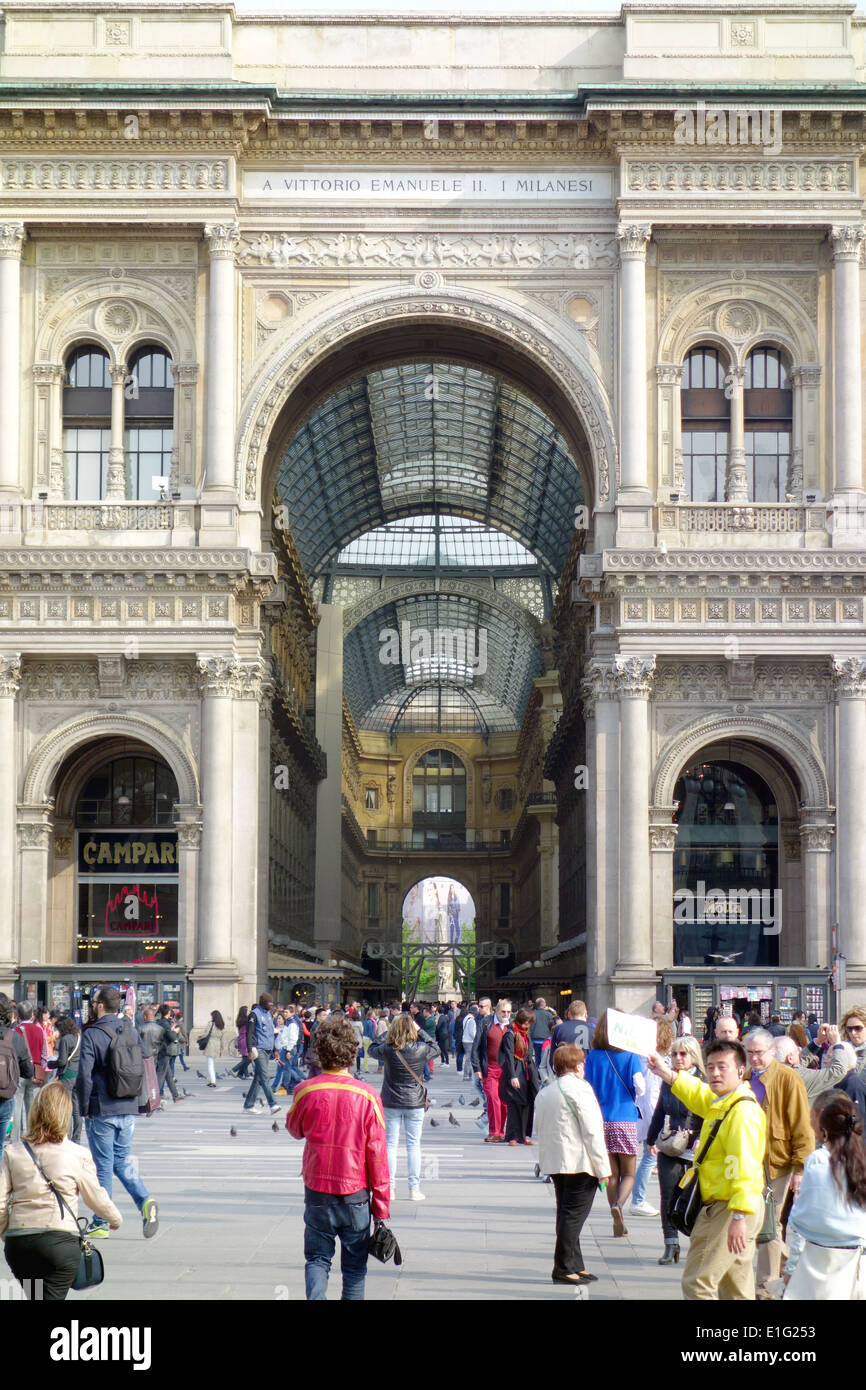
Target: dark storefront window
[727, 906]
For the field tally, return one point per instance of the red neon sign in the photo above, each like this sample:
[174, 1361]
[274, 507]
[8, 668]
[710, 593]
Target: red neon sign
[131, 922]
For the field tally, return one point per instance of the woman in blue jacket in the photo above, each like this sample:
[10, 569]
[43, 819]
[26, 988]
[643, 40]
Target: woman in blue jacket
[617, 1080]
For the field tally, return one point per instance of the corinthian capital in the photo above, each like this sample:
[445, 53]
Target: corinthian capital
[849, 676]
[10, 673]
[846, 240]
[633, 239]
[223, 238]
[633, 675]
[12, 236]
[219, 675]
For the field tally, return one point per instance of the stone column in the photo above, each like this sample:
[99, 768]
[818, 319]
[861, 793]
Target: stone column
[816, 842]
[116, 489]
[736, 482]
[633, 677]
[266, 783]
[10, 679]
[188, 824]
[602, 831]
[219, 678]
[11, 243]
[248, 947]
[34, 844]
[329, 732]
[669, 376]
[849, 675]
[48, 384]
[662, 843]
[219, 474]
[846, 242]
[634, 503]
[804, 469]
[185, 377]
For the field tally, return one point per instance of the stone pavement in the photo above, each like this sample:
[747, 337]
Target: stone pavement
[231, 1214]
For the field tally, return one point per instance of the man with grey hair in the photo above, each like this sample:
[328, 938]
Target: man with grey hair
[727, 1029]
[790, 1139]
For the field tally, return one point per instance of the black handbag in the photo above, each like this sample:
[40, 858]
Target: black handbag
[91, 1267]
[686, 1201]
[205, 1039]
[383, 1244]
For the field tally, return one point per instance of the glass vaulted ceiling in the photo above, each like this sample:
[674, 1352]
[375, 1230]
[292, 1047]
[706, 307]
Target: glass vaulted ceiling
[429, 437]
[424, 467]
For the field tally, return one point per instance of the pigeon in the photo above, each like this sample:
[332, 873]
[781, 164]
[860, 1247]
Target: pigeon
[452, 1121]
[473, 1103]
[461, 1100]
[200, 1075]
[435, 1124]
[275, 1127]
[233, 1132]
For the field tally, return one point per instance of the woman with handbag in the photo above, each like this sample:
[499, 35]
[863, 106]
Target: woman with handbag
[65, 1066]
[672, 1135]
[403, 1052]
[617, 1079]
[41, 1179]
[519, 1083]
[570, 1132]
[212, 1044]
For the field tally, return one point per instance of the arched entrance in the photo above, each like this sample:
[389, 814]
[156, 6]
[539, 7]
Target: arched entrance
[439, 939]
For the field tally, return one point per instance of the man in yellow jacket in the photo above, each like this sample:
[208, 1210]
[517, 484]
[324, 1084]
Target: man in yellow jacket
[722, 1246]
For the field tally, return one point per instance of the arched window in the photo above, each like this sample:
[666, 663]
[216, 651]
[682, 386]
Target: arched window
[768, 406]
[727, 911]
[127, 878]
[706, 414]
[149, 416]
[87, 423]
[439, 801]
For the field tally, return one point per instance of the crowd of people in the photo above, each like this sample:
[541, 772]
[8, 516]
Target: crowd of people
[768, 1122]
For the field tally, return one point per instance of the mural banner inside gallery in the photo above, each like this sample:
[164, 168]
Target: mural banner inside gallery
[462, 186]
[438, 910]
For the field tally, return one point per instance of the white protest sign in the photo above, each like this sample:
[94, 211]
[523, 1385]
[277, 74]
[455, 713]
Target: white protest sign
[631, 1032]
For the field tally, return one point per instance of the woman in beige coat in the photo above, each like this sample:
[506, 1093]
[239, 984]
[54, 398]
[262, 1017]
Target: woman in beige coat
[41, 1234]
[570, 1133]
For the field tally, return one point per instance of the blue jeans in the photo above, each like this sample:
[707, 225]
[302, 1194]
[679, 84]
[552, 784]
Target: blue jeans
[260, 1078]
[641, 1177]
[7, 1110]
[412, 1122]
[110, 1139]
[326, 1217]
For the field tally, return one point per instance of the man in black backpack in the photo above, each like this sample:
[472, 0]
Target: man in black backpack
[110, 1074]
[15, 1063]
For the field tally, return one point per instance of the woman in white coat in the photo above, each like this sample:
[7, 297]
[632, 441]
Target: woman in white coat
[570, 1132]
[827, 1226]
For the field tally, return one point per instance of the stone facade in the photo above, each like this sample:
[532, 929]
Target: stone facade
[580, 246]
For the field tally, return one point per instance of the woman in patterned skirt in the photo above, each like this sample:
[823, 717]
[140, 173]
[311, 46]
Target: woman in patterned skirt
[617, 1079]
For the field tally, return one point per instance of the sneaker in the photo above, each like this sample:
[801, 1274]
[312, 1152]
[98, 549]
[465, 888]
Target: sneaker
[278, 1109]
[416, 1195]
[149, 1218]
[642, 1209]
[97, 1232]
[481, 1122]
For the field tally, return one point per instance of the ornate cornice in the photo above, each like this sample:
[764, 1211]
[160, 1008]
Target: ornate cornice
[106, 177]
[849, 676]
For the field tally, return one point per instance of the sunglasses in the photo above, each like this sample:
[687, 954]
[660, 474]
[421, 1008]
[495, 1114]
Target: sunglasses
[855, 1027]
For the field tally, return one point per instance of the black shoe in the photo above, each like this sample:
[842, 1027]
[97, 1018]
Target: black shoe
[567, 1279]
[672, 1253]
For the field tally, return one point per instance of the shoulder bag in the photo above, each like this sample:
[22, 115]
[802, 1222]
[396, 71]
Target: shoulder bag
[416, 1079]
[686, 1201]
[67, 1074]
[205, 1039]
[768, 1229]
[91, 1269]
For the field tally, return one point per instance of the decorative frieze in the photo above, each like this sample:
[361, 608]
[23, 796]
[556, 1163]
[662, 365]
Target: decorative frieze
[115, 177]
[740, 176]
[438, 250]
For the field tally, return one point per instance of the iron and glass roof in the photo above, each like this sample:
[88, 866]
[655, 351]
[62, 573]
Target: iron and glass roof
[429, 438]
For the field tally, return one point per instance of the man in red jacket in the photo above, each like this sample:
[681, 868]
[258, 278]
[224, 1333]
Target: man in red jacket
[345, 1162]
